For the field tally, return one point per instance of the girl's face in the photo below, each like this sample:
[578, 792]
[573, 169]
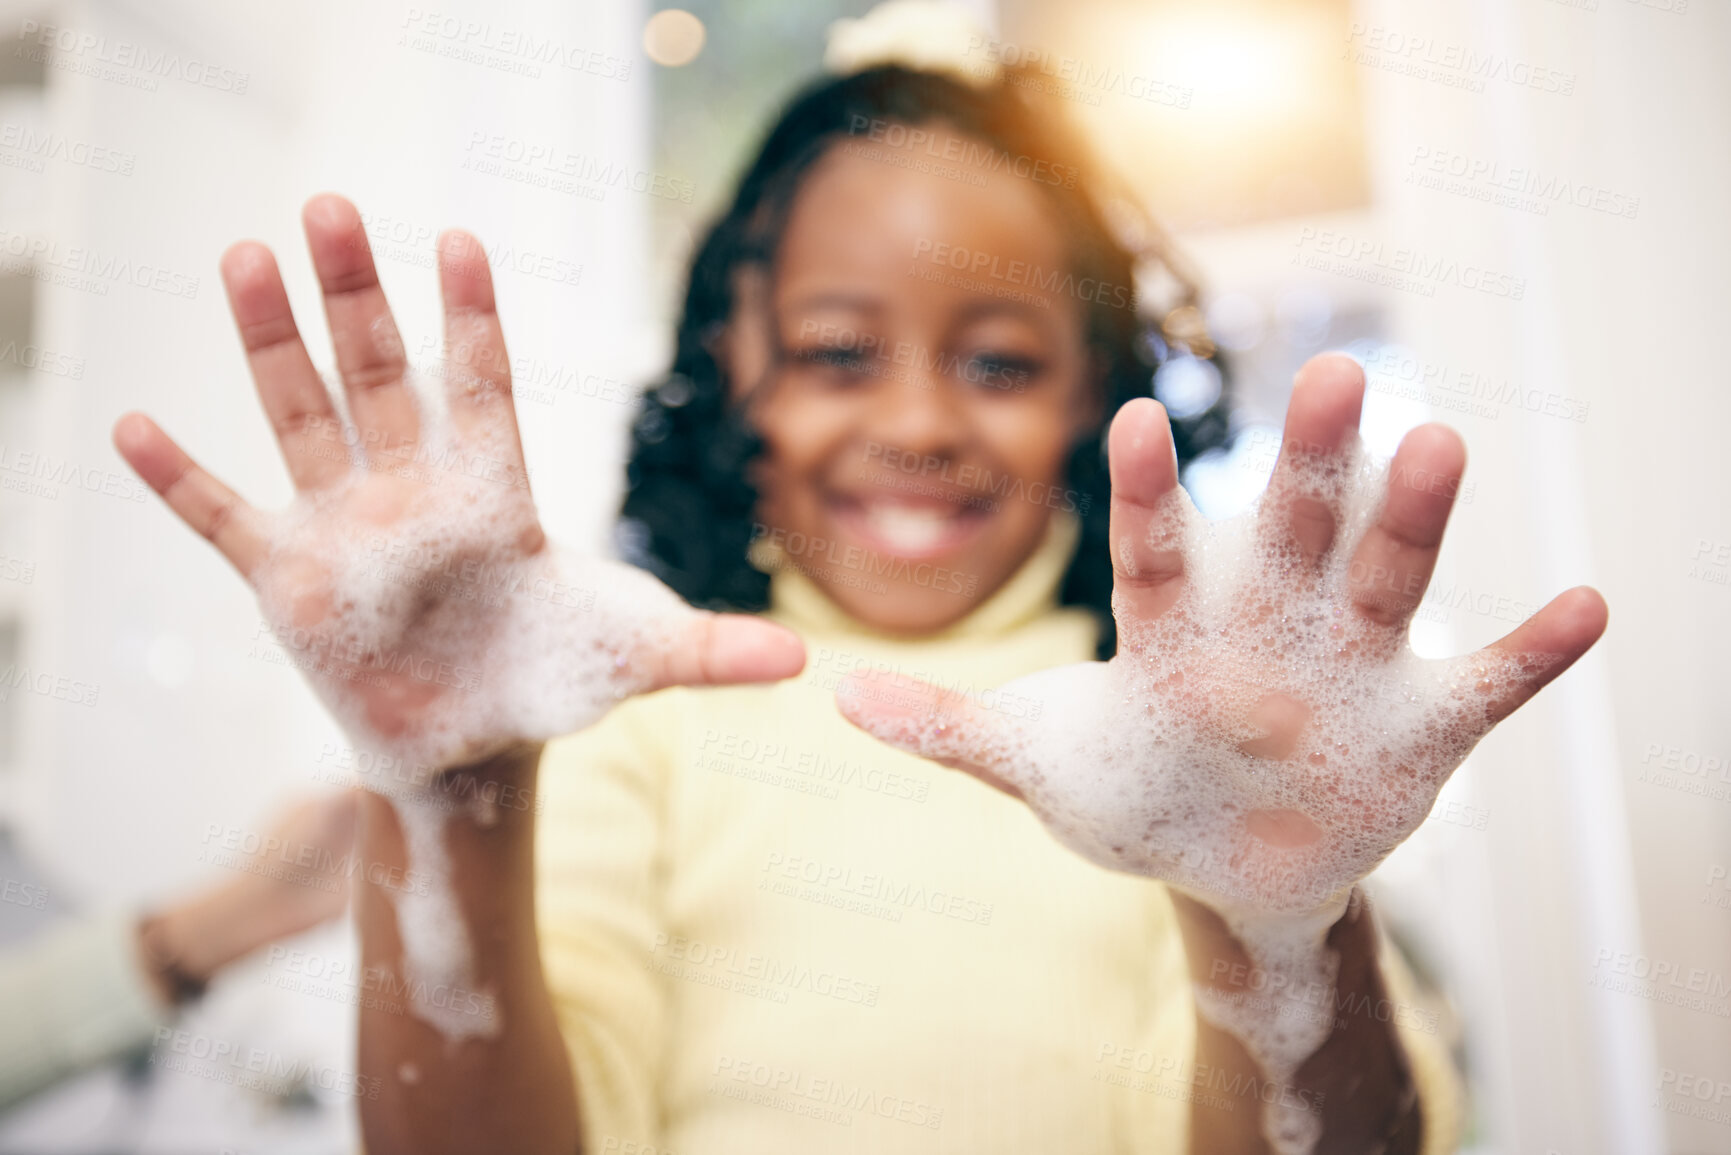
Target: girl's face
[929, 395]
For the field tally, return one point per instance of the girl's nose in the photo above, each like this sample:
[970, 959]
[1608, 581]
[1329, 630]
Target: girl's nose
[919, 412]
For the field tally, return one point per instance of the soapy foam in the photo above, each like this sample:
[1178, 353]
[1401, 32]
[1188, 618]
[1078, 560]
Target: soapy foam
[1281, 1028]
[406, 595]
[434, 937]
[1136, 763]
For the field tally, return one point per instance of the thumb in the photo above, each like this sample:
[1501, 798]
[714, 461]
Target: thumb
[707, 649]
[947, 727]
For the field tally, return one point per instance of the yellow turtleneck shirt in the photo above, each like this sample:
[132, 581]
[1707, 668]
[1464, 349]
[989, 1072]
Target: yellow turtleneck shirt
[766, 932]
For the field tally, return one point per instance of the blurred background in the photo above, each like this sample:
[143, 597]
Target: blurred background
[1512, 211]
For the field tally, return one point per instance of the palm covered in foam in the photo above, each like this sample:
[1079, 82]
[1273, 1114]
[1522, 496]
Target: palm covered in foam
[411, 580]
[1264, 735]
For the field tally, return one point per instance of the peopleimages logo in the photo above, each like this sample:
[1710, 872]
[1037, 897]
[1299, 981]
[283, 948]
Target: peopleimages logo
[1188, 1073]
[87, 269]
[1661, 980]
[775, 973]
[225, 1061]
[1455, 65]
[1399, 267]
[1076, 78]
[791, 1090]
[964, 150]
[806, 553]
[1393, 370]
[503, 47]
[887, 890]
[1495, 177]
[134, 65]
[553, 166]
[985, 489]
[38, 147]
[1057, 282]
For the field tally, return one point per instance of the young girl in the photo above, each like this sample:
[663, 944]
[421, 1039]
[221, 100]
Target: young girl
[733, 921]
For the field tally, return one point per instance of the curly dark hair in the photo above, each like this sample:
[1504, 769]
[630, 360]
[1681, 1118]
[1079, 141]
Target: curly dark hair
[688, 511]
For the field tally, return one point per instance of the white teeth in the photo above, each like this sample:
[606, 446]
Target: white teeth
[911, 530]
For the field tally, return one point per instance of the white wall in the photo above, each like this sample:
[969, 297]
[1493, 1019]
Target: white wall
[1625, 314]
[192, 727]
[1579, 859]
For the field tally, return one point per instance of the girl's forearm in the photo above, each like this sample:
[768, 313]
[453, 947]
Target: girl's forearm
[503, 1082]
[1357, 1085]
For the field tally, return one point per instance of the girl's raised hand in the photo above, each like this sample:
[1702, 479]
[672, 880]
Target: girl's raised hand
[411, 580]
[1264, 735]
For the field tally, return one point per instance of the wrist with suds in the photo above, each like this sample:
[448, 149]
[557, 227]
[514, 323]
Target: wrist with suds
[1333, 1073]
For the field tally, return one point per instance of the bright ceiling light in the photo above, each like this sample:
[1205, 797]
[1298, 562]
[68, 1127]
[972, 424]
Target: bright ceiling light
[673, 37]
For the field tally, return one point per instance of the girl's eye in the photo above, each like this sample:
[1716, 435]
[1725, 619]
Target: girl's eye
[842, 360]
[1009, 372]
